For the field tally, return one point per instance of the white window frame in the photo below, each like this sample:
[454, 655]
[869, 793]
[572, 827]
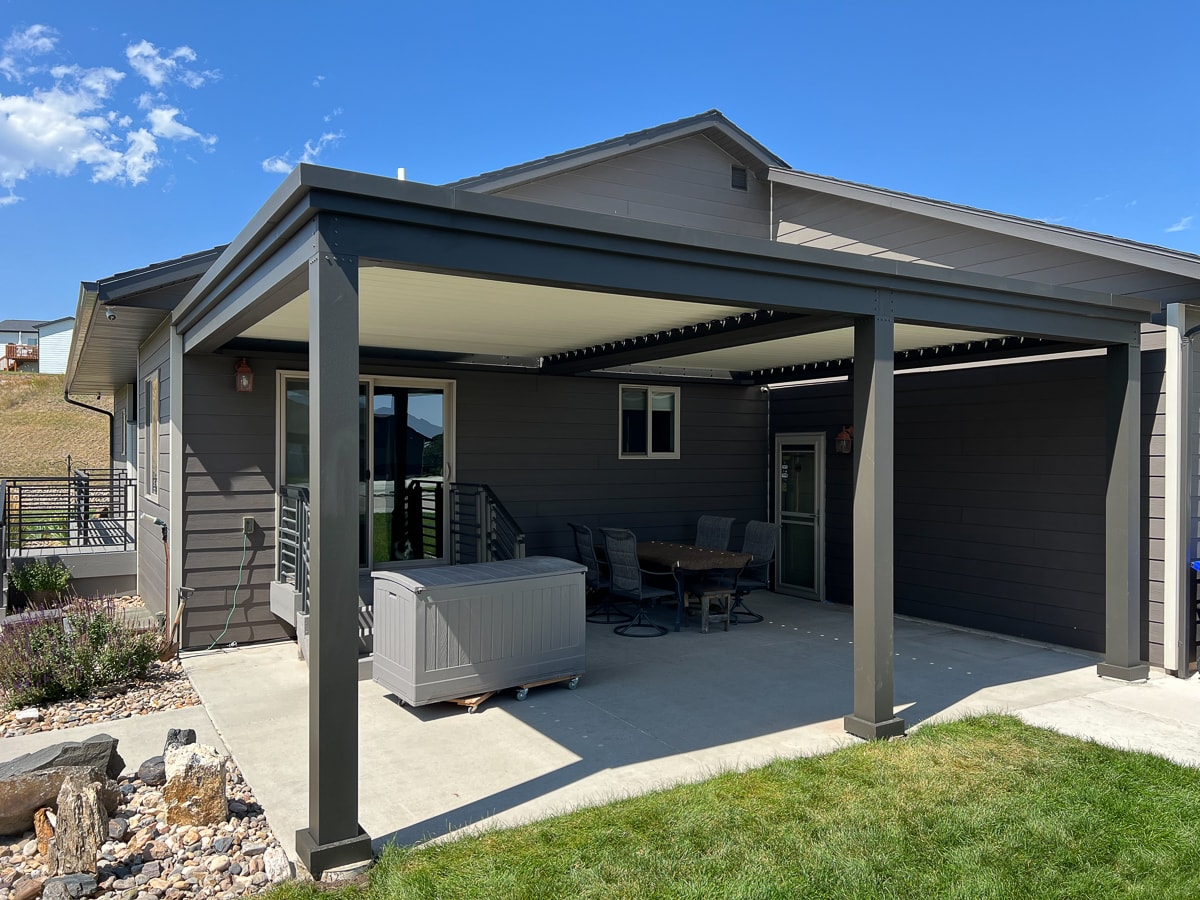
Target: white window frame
[650, 390]
[152, 401]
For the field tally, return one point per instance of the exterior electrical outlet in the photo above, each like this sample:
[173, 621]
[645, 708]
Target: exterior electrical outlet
[247, 524]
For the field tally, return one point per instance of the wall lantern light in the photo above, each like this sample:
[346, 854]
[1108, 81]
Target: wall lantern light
[844, 442]
[243, 377]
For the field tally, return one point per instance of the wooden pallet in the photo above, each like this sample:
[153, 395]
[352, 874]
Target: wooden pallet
[473, 703]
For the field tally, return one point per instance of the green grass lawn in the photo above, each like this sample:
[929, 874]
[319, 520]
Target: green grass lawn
[983, 808]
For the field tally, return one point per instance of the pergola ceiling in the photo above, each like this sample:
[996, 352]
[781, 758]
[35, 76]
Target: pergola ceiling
[402, 309]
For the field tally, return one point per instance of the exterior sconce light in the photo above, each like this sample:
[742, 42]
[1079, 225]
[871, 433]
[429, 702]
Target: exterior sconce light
[844, 442]
[243, 377]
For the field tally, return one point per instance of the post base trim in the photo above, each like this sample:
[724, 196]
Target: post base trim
[317, 858]
[873, 731]
[1139, 672]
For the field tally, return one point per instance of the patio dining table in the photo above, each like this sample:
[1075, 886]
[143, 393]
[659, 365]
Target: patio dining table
[671, 557]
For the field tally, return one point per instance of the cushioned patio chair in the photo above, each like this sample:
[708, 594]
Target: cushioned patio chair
[712, 532]
[760, 542]
[627, 579]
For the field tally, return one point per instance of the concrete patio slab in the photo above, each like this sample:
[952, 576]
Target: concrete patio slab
[655, 712]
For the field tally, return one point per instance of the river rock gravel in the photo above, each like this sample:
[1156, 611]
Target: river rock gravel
[146, 859]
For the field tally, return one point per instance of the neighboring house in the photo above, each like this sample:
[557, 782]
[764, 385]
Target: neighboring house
[600, 340]
[19, 345]
[54, 345]
[33, 346]
[597, 335]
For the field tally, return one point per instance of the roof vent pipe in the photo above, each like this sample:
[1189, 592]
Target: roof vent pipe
[401, 174]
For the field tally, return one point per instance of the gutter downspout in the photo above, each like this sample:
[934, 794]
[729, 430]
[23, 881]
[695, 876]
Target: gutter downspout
[67, 397]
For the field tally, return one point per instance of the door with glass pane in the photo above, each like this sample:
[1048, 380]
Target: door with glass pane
[402, 461]
[408, 496]
[799, 502]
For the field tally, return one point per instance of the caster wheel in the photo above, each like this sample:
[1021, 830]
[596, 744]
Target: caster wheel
[522, 693]
[573, 683]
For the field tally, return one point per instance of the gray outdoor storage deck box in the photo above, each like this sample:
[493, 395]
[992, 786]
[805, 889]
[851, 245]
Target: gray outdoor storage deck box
[448, 632]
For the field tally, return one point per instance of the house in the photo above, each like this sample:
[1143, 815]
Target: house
[605, 334]
[33, 346]
[18, 343]
[54, 344]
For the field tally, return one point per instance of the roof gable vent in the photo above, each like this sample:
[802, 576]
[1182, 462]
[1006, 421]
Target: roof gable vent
[737, 178]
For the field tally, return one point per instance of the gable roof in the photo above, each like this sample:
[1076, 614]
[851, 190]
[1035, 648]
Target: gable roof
[19, 325]
[711, 124]
[1093, 243]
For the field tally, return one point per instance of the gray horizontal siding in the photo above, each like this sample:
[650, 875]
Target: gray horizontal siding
[228, 473]
[816, 219]
[1000, 478]
[684, 182]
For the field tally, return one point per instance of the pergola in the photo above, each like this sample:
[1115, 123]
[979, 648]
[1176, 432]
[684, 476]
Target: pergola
[357, 266]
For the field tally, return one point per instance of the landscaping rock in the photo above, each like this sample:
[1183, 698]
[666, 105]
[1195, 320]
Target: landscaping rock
[69, 887]
[98, 752]
[195, 788]
[23, 794]
[179, 737]
[153, 771]
[277, 865]
[81, 829]
[118, 827]
[26, 889]
[43, 827]
[28, 716]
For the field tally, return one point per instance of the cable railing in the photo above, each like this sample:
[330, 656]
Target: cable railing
[481, 529]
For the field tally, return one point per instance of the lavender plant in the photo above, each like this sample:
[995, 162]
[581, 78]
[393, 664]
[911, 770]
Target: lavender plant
[72, 651]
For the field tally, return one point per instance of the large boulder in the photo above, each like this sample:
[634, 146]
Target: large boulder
[97, 752]
[195, 790]
[24, 794]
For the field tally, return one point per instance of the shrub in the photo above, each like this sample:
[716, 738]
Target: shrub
[40, 575]
[71, 651]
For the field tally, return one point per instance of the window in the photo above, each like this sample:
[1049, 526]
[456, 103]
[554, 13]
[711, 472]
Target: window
[649, 422]
[151, 420]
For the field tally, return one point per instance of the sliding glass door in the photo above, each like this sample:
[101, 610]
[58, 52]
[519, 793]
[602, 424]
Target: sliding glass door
[405, 447]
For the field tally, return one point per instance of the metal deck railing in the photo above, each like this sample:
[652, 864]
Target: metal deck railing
[90, 510]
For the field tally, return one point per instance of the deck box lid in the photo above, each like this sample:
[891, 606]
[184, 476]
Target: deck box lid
[420, 580]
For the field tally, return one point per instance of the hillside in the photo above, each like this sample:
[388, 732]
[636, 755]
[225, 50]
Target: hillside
[39, 429]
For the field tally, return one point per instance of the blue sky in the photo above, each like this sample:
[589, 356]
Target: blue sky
[136, 132]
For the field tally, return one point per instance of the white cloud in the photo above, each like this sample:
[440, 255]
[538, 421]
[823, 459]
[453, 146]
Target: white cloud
[283, 164]
[163, 124]
[160, 67]
[21, 46]
[317, 81]
[1182, 225]
[71, 116]
[330, 116]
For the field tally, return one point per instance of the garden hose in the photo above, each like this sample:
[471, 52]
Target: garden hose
[232, 609]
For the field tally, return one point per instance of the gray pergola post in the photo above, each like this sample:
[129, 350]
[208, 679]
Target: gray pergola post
[874, 443]
[1122, 519]
[333, 837]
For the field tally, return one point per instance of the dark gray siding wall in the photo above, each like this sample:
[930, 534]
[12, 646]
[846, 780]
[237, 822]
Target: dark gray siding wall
[546, 446]
[1000, 475]
[154, 357]
[228, 473]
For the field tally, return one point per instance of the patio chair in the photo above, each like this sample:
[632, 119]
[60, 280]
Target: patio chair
[710, 589]
[712, 532]
[760, 542]
[606, 611]
[627, 580]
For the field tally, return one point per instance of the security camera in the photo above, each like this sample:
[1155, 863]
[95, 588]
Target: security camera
[110, 314]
